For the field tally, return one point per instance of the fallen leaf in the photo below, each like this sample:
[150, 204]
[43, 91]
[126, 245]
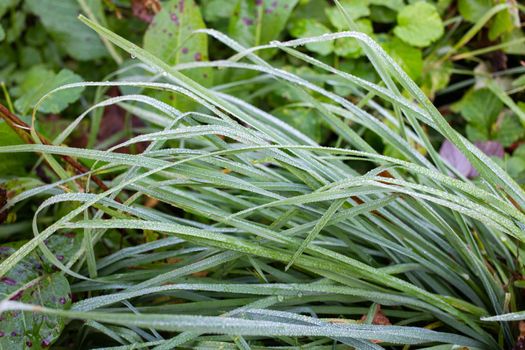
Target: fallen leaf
[379, 319]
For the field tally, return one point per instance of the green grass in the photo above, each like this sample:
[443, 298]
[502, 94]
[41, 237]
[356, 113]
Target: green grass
[291, 234]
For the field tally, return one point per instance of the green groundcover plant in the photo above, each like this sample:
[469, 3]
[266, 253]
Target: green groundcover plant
[224, 227]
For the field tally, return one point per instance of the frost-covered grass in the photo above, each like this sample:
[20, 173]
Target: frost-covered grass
[277, 241]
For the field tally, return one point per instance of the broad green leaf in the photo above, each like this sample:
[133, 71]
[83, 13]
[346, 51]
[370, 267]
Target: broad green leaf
[508, 130]
[60, 20]
[419, 24]
[17, 26]
[64, 245]
[480, 108]
[408, 57]
[5, 5]
[515, 165]
[30, 57]
[349, 47]
[473, 10]
[307, 120]
[442, 6]
[306, 27]
[502, 23]
[259, 22]
[21, 274]
[516, 48]
[395, 5]
[354, 8]
[169, 37]
[2, 33]
[382, 14]
[436, 76]
[12, 164]
[217, 9]
[39, 81]
[26, 330]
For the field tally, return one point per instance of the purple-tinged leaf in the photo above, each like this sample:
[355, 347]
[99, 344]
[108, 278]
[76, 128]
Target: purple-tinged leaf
[490, 148]
[458, 161]
[455, 158]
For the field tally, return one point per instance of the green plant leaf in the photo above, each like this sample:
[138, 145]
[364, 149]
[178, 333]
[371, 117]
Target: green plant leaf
[480, 108]
[18, 24]
[419, 24]
[395, 5]
[354, 8]
[22, 273]
[509, 130]
[5, 5]
[29, 283]
[408, 57]
[217, 9]
[349, 47]
[516, 48]
[25, 330]
[436, 76]
[261, 21]
[64, 245]
[306, 27]
[12, 164]
[502, 23]
[382, 14]
[60, 20]
[38, 81]
[2, 33]
[473, 10]
[307, 120]
[170, 38]
[169, 34]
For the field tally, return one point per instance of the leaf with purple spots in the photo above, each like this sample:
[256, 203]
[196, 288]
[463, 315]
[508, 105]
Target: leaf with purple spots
[22, 330]
[64, 245]
[169, 37]
[259, 22]
[22, 273]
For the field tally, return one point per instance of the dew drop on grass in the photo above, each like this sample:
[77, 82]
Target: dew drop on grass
[280, 298]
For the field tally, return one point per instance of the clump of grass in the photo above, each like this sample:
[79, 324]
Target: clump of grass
[267, 239]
